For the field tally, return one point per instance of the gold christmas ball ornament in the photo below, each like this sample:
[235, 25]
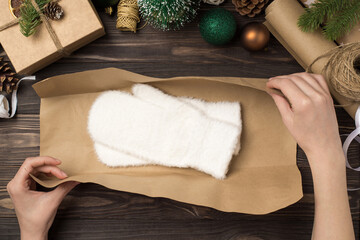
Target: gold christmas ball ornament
[254, 36]
[14, 6]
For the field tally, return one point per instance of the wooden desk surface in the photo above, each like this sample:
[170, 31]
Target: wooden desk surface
[94, 212]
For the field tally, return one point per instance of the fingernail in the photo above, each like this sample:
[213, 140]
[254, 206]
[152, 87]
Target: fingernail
[270, 79]
[57, 160]
[64, 174]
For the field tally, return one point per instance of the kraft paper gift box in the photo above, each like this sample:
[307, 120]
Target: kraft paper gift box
[79, 26]
[262, 178]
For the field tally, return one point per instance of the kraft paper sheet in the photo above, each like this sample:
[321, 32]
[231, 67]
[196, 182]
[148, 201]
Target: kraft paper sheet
[281, 20]
[352, 36]
[263, 178]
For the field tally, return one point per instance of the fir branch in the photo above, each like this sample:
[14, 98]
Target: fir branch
[342, 22]
[318, 12]
[30, 18]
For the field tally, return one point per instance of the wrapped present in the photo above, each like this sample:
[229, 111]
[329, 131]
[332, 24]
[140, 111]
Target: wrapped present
[52, 40]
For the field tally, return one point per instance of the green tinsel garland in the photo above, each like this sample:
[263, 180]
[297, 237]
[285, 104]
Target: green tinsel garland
[168, 14]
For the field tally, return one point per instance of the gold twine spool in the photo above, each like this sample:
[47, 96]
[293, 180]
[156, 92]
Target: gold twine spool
[128, 15]
[342, 70]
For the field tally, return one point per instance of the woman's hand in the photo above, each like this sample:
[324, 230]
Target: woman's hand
[36, 210]
[311, 119]
[310, 115]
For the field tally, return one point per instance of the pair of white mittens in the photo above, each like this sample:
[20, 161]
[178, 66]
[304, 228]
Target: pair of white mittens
[151, 127]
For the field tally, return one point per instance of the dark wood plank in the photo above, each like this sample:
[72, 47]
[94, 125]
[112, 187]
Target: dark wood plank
[94, 212]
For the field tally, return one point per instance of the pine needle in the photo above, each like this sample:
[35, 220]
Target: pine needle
[338, 17]
[318, 12]
[342, 22]
[30, 18]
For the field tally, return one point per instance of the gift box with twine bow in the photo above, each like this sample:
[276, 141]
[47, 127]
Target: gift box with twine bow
[52, 40]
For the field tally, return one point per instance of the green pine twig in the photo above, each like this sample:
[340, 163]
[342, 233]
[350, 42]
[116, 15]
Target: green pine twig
[314, 16]
[341, 15]
[342, 22]
[30, 18]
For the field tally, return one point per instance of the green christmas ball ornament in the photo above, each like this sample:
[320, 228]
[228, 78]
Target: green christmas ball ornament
[217, 26]
[104, 3]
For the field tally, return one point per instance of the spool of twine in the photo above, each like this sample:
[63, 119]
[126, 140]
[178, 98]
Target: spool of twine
[343, 70]
[128, 15]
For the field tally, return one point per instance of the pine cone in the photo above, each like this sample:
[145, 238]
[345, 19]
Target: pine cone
[7, 79]
[249, 8]
[53, 11]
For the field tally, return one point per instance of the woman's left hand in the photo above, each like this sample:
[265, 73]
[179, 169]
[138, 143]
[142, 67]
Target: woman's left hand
[36, 210]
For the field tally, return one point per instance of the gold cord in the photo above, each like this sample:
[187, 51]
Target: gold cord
[128, 15]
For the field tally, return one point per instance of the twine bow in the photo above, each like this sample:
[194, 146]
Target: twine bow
[50, 30]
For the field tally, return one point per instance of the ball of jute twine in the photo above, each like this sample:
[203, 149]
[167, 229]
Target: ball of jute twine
[128, 15]
[343, 70]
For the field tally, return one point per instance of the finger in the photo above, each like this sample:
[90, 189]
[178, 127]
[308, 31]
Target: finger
[322, 81]
[32, 185]
[50, 170]
[311, 80]
[30, 163]
[62, 190]
[283, 106]
[28, 183]
[314, 81]
[288, 88]
[309, 89]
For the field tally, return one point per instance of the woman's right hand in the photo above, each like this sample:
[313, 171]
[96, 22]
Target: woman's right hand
[310, 115]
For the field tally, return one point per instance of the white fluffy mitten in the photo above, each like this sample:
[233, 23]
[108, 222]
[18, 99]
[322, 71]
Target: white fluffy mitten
[155, 128]
[228, 112]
